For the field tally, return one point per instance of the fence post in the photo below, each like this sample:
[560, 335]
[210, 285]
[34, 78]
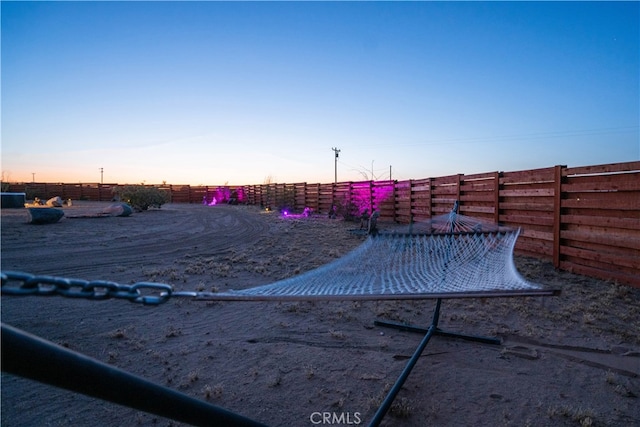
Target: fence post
[395, 201]
[496, 197]
[333, 193]
[304, 195]
[411, 200]
[459, 179]
[371, 196]
[430, 205]
[557, 213]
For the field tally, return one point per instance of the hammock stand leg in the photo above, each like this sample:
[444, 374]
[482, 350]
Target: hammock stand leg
[429, 332]
[438, 331]
[34, 358]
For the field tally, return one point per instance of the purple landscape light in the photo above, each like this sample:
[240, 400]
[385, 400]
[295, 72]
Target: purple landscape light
[305, 214]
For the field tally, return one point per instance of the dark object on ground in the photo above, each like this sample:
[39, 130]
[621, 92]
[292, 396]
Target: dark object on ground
[55, 202]
[118, 209]
[13, 200]
[44, 215]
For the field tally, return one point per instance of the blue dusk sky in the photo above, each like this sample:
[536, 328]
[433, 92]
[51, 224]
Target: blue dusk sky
[208, 93]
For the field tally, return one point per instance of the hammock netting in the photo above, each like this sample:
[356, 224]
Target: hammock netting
[450, 255]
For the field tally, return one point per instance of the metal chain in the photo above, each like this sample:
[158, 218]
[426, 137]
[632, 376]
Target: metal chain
[147, 293]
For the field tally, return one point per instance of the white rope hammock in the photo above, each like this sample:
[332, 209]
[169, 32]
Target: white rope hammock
[446, 257]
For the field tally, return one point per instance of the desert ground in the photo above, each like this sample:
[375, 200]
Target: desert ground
[567, 360]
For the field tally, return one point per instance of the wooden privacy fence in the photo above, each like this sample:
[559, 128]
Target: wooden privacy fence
[583, 219]
[45, 190]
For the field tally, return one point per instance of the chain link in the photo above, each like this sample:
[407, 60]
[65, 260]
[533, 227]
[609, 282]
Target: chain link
[147, 293]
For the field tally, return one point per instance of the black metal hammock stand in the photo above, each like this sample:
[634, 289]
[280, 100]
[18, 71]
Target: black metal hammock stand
[473, 259]
[432, 330]
[32, 357]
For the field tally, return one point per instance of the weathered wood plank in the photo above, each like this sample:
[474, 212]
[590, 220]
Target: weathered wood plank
[602, 221]
[607, 239]
[528, 219]
[546, 206]
[478, 209]
[601, 229]
[527, 193]
[632, 262]
[477, 197]
[605, 168]
[622, 182]
[527, 176]
[445, 200]
[606, 274]
[534, 247]
[477, 176]
[441, 190]
[444, 180]
[535, 234]
[605, 203]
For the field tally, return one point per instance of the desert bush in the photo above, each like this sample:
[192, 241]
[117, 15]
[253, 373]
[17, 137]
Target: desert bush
[142, 197]
[4, 181]
[347, 209]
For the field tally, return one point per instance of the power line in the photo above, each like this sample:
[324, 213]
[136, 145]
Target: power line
[375, 173]
[514, 137]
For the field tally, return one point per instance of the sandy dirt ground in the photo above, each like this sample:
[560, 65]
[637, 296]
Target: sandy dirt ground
[569, 360]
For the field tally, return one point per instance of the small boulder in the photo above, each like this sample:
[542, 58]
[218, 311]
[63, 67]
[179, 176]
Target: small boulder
[54, 202]
[44, 215]
[118, 209]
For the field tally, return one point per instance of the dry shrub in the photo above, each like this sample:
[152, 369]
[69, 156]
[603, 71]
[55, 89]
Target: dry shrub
[142, 197]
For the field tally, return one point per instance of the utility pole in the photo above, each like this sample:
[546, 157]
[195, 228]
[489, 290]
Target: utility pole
[336, 163]
[33, 177]
[101, 175]
[390, 173]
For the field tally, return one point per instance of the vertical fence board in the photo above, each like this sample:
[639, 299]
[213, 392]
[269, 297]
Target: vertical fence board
[557, 200]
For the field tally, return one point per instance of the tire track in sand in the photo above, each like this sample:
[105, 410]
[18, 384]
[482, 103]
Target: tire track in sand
[154, 237]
